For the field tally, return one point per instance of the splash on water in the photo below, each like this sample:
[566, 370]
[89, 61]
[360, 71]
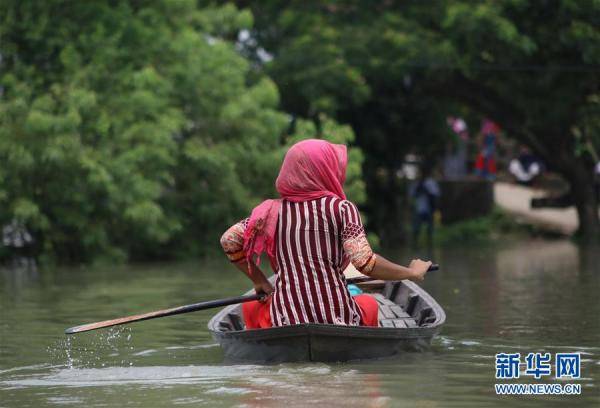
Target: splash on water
[96, 349]
[68, 352]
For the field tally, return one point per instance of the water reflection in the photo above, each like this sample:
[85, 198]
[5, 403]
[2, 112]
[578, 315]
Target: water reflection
[539, 257]
[17, 273]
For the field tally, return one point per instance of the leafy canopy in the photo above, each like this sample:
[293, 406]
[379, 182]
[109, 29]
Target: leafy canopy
[135, 128]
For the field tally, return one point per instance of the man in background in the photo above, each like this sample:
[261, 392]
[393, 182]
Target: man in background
[425, 193]
[526, 167]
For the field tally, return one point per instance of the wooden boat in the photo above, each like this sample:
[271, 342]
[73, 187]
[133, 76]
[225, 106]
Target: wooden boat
[409, 319]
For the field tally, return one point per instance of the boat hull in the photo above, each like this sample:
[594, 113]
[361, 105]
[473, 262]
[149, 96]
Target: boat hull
[312, 342]
[330, 343]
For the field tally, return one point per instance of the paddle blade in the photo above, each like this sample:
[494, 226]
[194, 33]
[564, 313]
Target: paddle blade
[119, 321]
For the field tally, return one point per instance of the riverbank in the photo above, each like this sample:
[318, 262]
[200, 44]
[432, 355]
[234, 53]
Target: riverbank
[516, 200]
[497, 226]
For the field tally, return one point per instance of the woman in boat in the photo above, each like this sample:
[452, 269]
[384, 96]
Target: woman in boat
[310, 235]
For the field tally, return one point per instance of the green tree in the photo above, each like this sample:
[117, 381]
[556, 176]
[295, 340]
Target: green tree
[392, 68]
[134, 128]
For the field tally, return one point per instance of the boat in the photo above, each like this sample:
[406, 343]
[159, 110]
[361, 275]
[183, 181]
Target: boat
[409, 318]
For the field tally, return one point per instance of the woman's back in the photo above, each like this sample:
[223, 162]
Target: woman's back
[310, 285]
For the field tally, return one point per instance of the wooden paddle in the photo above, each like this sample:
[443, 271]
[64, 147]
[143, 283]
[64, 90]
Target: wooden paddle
[194, 307]
[164, 312]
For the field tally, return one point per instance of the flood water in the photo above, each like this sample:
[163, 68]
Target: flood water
[530, 296]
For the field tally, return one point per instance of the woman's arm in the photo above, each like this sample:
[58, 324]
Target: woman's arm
[361, 255]
[258, 278]
[232, 242]
[386, 270]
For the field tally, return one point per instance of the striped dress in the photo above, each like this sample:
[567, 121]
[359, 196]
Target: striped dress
[315, 240]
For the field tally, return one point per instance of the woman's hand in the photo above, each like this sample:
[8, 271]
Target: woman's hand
[263, 287]
[258, 278]
[386, 270]
[418, 269]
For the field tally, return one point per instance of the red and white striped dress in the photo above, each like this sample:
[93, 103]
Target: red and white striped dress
[315, 240]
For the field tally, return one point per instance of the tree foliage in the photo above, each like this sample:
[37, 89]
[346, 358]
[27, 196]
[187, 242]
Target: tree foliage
[391, 69]
[135, 128]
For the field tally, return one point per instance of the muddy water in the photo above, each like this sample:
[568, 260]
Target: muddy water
[520, 297]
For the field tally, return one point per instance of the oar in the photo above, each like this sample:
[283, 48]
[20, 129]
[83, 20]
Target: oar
[164, 312]
[364, 278]
[187, 309]
[433, 267]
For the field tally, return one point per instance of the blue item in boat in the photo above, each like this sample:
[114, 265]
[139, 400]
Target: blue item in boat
[354, 290]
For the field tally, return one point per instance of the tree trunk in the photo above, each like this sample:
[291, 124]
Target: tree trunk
[586, 203]
[393, 221]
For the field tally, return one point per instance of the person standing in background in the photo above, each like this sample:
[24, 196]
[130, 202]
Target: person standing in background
[455, 159]
[425, 193]
[485, 165]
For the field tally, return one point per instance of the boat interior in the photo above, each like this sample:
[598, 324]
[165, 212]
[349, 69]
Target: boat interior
[400, 307]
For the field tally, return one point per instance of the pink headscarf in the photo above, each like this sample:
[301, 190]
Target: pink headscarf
[311, 169]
